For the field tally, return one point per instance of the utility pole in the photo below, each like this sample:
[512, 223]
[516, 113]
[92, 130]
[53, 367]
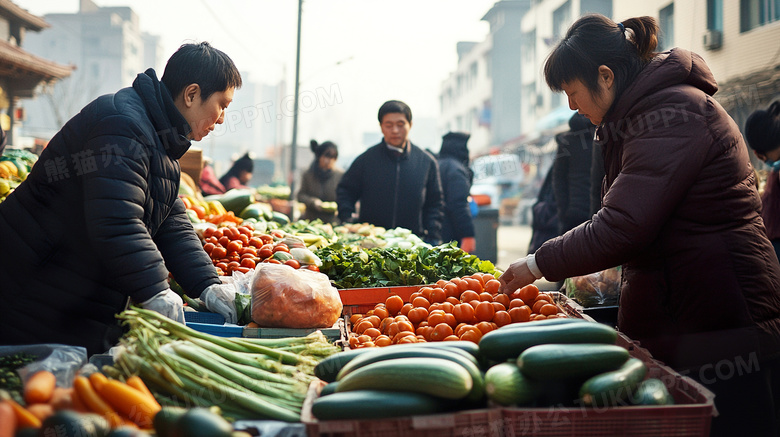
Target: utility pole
[294, 141]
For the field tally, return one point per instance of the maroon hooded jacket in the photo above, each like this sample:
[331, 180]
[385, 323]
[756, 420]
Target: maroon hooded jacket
[681, 213]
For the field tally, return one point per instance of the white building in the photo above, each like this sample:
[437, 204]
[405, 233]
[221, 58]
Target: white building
[108, 49]
[482, 95]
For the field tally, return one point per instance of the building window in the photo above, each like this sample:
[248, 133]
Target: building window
[756, 13]
[666, 21]
[561, 18]
[488, 70]
[715, 15]
[473, 70]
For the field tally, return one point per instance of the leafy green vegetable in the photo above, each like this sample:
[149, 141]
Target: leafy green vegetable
[244, 308]
[349, 266]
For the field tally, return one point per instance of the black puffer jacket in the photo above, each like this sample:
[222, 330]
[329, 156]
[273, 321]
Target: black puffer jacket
[97, 221]
[394, 191]
[455, 184]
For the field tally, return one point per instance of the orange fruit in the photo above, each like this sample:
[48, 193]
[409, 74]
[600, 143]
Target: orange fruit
[520, 314]
[528, 293]
[394, 304]
[492, 286]
[485, 311]
[441, 331]
[469, 295]
[502, 318]
[549, 310]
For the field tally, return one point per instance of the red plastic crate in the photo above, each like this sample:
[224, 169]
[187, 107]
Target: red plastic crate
[472, 423]
[361, 300]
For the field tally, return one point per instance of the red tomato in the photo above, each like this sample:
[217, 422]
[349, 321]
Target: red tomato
[234, 246]
[256, 242]
[313, 268]
[265, 251]
[277, 233]
[267, 239]
[281, 247]
[273, 261]
[218, 252]
[249, 262]
[244, 231]
[293, 263]
[224, 240]
[208, 247]
[243, 239]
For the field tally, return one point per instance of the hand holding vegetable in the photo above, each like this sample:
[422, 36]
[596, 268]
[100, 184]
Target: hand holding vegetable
[166, 303]
[518, 275]
[221, 299]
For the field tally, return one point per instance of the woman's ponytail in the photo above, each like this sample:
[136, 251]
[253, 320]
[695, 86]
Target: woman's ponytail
[643, 32]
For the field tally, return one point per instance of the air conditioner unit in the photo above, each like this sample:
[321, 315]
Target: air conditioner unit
[713, 39]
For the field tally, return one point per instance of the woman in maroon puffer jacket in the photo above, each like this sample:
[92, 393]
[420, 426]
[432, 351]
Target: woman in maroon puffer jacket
[680, 212]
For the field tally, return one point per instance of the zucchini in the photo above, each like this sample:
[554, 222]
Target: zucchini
[329, 389]
[652, 391]
[234, 200]
[374, 404]
[504, 344]
[613, 388]
[562, 361]
[506, 385]
[433, 376]
[328, 368]
[457, 356]
[545, 322]
[280, 218]
[467, 346]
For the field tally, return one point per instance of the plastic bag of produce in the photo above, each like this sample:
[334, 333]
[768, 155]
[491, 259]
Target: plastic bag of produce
[283, 297]
[597, 289]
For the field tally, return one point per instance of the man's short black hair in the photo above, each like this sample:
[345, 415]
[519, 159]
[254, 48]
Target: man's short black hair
[395, 106]
[200, 63]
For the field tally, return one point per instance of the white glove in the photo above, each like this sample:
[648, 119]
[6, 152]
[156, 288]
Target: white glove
[167, 303]
[221, 299]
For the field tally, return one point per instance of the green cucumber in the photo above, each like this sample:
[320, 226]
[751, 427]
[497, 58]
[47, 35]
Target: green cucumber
[328, 368]
[504, 344]
[545, 322]
[562, 361]
[467, 346]
[329, 389]
[506, 385]
[374, 404]
[615, 387]
[433, 376]
[466, 360]
[652, 391]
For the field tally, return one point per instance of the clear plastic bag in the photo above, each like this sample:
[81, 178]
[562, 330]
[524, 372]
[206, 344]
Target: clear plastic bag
[62, 360]
[283, 297]
[596, 289]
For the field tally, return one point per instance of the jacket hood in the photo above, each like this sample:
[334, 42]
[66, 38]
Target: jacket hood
[674, 67]
[169, 123]
[454, 145]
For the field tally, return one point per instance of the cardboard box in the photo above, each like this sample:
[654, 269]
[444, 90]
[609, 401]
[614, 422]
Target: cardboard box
[192, 164]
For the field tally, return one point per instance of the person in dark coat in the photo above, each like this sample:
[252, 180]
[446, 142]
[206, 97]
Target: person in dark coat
[319, 182]
[571, 173]
[680, 213]
[98, 221]
[396, 182]
[239, 174]
[456, 177]
[762, 132]
[544, 214]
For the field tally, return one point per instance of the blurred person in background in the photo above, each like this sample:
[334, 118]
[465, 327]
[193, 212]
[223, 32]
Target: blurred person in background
[98, 223]
[680, 213]
[239, 174]
[762, 132]
[571, 173]
[209, 184]
[319, 182]
[456, 178]
[396, 182]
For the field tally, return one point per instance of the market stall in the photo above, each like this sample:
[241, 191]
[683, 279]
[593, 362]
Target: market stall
[349, 331]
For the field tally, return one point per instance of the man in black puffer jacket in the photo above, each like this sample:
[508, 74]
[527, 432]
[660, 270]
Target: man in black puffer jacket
[98, 221]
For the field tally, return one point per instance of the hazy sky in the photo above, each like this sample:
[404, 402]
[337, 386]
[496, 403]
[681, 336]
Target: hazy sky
[401, 49]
